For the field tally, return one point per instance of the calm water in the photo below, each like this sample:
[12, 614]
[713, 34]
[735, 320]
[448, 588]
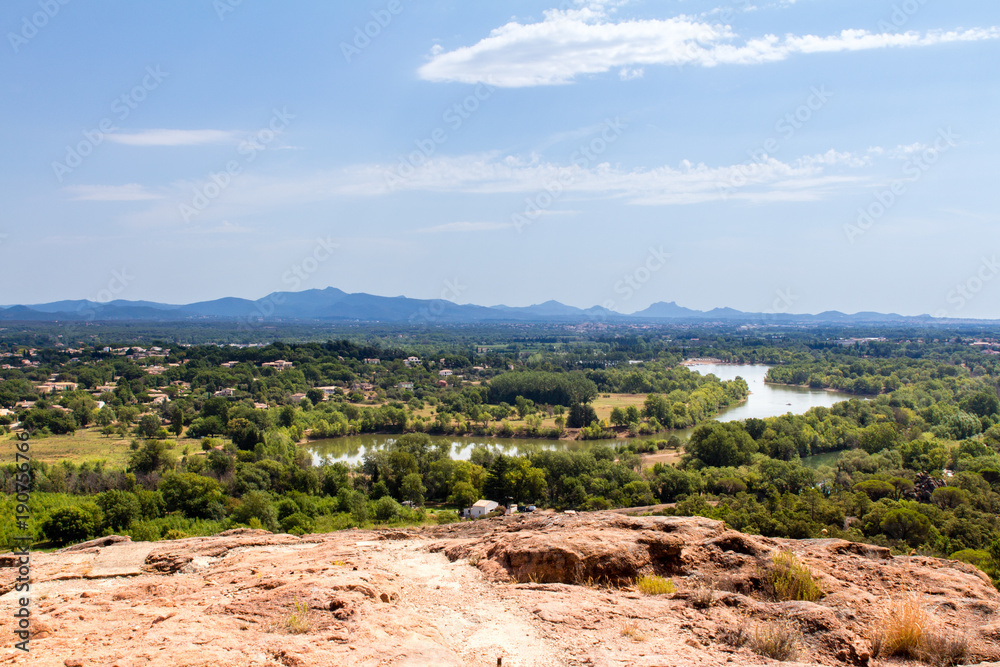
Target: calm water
[764, 401]
[768, 400]
[352, 449]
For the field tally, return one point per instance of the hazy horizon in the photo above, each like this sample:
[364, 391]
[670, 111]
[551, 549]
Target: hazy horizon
[779, 156]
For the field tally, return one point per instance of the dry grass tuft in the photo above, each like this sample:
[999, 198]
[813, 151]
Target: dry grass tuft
[790, 579]
[737, 634]
[775, 640]
[702, 597]
[900, 630]
[630, 629]
[652, 584]
[944, 649]
[300, 621]
[906, 629]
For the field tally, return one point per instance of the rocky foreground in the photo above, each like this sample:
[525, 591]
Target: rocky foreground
[528, 591]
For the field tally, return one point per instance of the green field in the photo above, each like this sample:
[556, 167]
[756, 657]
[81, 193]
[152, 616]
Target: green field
[89, 445]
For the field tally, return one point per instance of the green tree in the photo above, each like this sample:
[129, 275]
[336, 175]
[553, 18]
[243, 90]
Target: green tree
[149, 427]
[244, 433]
[878, 437]
[719, 445]
[120, 508]
[69, 524]
[463, 495]
[413, 489]
[906, 525]
[196, 496]
[152, 456]
[387, 509]
[257, 505]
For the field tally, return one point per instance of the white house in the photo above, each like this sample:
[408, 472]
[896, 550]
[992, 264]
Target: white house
[482, 508]
[445, 373]
[411, 361]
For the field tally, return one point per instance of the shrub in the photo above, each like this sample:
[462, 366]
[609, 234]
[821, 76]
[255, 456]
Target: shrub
[69, 524]
[299, 621]
[702, 597]
[901, 629]
[386, 509]
[631, 630]
[143, 531]
[297, 524]
[790, 579]
[943, 649]
[120, 508]
[655, 585]
[906, 629]
[778, 641]
[257, 505]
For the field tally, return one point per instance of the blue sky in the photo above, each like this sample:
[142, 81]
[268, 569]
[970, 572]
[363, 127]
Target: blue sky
[767, 155]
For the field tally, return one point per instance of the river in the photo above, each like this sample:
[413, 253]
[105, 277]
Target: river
[764, 401]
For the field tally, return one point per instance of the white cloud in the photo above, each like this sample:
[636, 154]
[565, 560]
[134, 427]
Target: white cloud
[130, 192]
[163, 137]
[465, 227]
[571, 43]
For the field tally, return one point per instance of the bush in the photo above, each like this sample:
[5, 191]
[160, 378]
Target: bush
[198, 497]
[70, 524]
[790, 579]
[143, 531]
[120, 508]
[386, 509]
[900, 631]
[778, 641]
[297, 524]
[257, 505]
[906, 629]
[655, 585]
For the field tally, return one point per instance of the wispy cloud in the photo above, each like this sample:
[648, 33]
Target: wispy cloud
[129, 192]
[571, 43]
[465, 227]
[163, 137]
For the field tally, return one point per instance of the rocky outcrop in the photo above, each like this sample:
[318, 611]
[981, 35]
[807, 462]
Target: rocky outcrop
[543, 589]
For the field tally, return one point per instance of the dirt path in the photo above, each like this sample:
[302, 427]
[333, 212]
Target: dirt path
[465, 613]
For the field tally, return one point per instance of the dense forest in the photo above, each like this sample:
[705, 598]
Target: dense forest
[911, 463]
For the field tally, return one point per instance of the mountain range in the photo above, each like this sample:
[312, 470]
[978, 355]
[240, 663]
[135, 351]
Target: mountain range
[332, 304]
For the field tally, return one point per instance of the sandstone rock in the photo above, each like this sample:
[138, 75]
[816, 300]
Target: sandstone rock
[559, 592]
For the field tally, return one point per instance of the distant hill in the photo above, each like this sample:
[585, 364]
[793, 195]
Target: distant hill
[332, 304]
